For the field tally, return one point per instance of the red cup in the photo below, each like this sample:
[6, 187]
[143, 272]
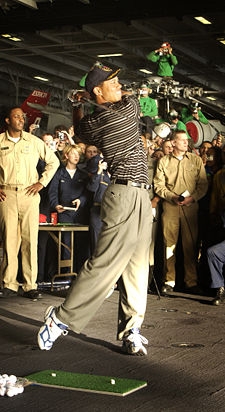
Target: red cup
[54, 218]
[42, 218]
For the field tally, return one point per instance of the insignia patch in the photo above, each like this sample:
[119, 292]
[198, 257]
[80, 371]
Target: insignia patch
[106, 69]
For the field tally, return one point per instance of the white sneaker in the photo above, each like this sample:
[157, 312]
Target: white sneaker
[51, 329]
[133, 343]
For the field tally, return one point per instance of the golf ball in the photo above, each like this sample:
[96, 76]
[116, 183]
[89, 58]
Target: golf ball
[2, 391]
[113, 381]
[54, 375]
[12, 379]
[11, 392]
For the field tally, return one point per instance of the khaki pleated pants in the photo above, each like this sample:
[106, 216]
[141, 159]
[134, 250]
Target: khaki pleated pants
[122, 249]
[174, 218]
[19, 220]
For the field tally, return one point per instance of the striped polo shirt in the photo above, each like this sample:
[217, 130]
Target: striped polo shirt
[116, 133]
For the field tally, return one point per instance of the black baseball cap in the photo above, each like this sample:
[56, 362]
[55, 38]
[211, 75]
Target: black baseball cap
[99, 74]
[92, 164]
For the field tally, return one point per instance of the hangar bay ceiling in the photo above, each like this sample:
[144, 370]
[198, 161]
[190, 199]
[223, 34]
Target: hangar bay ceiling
[50, 44]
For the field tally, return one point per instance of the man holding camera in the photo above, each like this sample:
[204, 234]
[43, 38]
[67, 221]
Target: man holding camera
[176, 123]
[180, 180]
[165, 60]
[62, 136]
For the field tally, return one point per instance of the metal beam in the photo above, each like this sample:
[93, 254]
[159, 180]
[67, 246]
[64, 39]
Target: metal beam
[39, 67]
[119, 43]
[28, 80]
[54, 57]
[28, 3]
[72, 63]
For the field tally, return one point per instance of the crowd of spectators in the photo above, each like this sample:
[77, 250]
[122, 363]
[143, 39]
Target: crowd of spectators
[205, 232]
[82, 178]
[75, 194]
[77, 188]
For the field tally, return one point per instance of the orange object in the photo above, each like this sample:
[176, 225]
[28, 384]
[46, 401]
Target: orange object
[42, 218]
[54, 218]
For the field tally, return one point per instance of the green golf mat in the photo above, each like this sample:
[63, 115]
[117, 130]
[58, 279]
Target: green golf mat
[84, 382]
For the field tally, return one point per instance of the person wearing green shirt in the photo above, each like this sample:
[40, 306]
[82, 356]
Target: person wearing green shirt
[148, 105]
[176, 123]
[193, 112]
[82, 81]
[149, 110]
[165, 60]
[82, 84]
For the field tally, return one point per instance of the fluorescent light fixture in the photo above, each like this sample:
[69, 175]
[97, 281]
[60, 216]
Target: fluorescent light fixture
[110, 55]
[210, 98]
[145, 71]
[10, 37]
[15, 39]
[203, 20]
[41, 78]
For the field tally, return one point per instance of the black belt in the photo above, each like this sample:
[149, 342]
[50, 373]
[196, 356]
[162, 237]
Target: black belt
[130, 183]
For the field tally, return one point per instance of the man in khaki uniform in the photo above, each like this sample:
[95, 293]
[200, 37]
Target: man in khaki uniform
[19, 201]
[181, 181]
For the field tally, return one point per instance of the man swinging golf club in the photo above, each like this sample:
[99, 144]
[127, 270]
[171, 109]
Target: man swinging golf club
[122, 252]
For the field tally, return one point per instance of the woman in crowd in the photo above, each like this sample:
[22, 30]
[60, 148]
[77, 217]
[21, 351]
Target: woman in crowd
[68, 189]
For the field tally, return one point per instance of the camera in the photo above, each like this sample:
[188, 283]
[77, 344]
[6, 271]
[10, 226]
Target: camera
[195, 108]
[52, 145]
[173, 115]
[173, 126]
[61, 136]
[163, 51]
[210, 158]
